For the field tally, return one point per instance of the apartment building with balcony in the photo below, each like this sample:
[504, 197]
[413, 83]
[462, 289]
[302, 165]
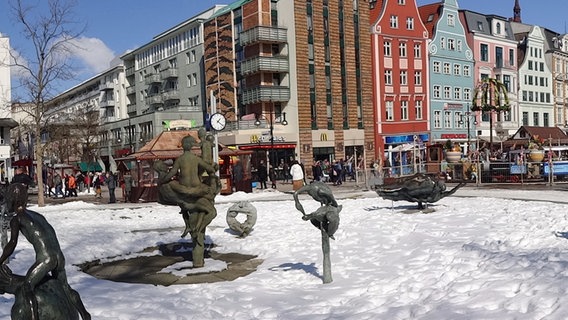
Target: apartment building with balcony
[535, 98]
[302, 61]
[83, 119]
[163, 83]
[495, 53]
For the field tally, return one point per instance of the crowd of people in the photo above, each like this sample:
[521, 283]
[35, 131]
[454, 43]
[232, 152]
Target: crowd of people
[335, 172]
[68, 185]
[294, 172]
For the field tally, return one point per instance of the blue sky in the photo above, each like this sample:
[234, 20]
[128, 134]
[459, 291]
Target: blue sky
[112, 27]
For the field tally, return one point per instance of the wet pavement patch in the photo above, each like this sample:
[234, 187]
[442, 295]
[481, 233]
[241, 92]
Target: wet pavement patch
[148, 268]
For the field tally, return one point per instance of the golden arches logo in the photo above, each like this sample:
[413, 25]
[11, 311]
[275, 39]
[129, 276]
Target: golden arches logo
[254, 138]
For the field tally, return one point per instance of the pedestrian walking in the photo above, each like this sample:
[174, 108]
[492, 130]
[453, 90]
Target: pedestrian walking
[111, 185]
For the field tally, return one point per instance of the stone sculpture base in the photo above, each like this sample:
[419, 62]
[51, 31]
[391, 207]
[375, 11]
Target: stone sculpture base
[146, 269]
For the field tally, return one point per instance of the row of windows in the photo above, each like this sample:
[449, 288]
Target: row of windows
[536, 119]
[402, 49]
[457, 120]
[449, 119]
[394, 22]
[535, 65]
[458, 69]
[499, 58]
[537, 81]
[532, 96]
[458, 93]
[404, 110]
[451, 44]
[403, 79]
[168, 47]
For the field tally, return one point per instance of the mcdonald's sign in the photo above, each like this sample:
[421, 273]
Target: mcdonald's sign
[254, 138]
[323, 137]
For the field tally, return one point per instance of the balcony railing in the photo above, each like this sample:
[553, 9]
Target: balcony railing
[263, 34]
[131, 108]
[129, 71]
[266, 93]
[152, 78]
[170, 95]
[107, 103]
[268, 64]
[106, 86]
[109, 119]
[131, 90]
[157, 99]
[169, 73]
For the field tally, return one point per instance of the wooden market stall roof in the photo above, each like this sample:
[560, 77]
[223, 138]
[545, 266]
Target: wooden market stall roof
[525, 133]
[167, 145]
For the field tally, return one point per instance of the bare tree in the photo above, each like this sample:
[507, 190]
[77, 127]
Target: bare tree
[51, 33]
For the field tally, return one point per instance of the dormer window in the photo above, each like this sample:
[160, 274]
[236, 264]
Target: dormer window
[498, 28]
[479, 25]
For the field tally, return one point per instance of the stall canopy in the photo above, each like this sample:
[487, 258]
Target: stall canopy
[167, 145]
[92, 166]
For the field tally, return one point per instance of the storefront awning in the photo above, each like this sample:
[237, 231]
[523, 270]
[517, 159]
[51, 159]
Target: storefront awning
[267, 146]
[22, 163]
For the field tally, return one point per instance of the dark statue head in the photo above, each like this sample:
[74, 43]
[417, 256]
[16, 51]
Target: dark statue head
[188, 142]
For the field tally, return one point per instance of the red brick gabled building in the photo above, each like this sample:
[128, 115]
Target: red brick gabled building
[400, 81]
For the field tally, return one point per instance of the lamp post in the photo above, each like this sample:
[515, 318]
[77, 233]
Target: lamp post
[467, 117]
[30, 153]
[270, 121]
[129, 132]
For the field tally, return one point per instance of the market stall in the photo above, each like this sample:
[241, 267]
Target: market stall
[167, 147]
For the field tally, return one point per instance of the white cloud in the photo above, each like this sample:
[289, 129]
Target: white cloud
[93, 52]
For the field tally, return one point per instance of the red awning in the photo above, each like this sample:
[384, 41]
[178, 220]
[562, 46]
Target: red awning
[267, 146]
[22, 163]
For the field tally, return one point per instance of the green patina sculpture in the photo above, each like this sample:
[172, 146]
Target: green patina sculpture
[44, 292]
[325, 218]
[193, 190]
[420, 188]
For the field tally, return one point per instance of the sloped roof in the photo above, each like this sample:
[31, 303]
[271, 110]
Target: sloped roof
[167, 145]
[525, 133]
[425, 11]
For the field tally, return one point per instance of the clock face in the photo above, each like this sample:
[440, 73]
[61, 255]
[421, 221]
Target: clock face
[218, 121]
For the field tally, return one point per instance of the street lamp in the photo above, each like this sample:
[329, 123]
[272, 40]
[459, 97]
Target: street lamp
[270, 121]
[467, 117]
[130, 134]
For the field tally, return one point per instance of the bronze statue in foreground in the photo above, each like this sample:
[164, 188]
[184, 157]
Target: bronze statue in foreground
[191, 184]
[420, 188]
[325, 218]
[43, 293]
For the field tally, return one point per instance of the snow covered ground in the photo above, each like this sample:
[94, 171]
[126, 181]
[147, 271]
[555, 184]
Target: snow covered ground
[480, 255]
